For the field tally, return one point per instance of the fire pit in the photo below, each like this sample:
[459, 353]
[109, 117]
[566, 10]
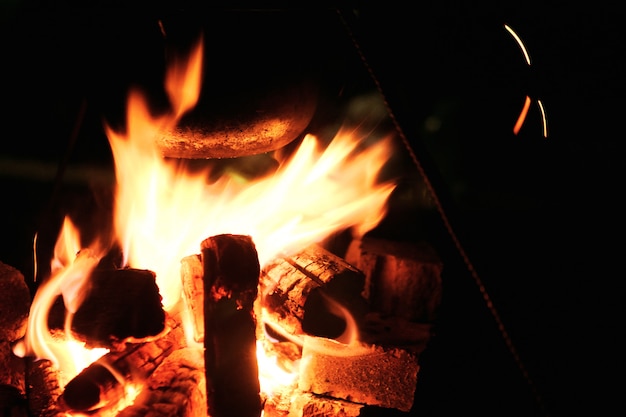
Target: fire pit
[214, 295]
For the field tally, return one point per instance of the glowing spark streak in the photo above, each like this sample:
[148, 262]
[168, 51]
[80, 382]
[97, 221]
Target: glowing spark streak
[543, 119]
[522, 116]
[519, 42]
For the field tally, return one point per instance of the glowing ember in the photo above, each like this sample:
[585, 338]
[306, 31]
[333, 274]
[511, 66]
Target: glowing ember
[162, 211]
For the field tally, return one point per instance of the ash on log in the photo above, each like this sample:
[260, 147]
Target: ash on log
[294, 290]
[103, 383]
[231, 278]
[360, 373]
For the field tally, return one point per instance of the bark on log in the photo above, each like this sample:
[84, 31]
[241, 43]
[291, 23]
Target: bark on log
[102, 384]
[231, 278]
[294, 290]
[120, 304]
[175, 389]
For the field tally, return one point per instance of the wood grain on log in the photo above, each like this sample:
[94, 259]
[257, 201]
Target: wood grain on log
[192, 277]
[294, 290]
[231, 279]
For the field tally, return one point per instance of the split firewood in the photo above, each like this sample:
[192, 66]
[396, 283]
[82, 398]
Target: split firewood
[119, 304]
[296, 292]
[175, 389]
[402, 279]
[103, 383]
[231, 279]
[192, 277]
[359, 372]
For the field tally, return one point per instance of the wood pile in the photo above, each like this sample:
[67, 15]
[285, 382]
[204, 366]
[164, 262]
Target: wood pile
[351, 326]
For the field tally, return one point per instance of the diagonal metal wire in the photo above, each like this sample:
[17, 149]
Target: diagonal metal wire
[446, 221]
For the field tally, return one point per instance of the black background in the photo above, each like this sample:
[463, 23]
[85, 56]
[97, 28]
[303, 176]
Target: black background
[538, 218]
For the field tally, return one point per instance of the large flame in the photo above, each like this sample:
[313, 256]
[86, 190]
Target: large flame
[163, 212]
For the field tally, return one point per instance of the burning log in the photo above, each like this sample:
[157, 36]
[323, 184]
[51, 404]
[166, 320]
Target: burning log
[14, 306]
[104, 382]
[231, 278]
[295, 287]
[119, 304]
[175, 389]
[402, 279]
[360, 373]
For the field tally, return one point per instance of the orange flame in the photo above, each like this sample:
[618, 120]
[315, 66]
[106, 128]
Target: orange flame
[70, 268]
[163, 212]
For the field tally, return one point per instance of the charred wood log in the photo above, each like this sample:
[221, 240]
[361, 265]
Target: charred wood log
[402, 279]
[231, 278]
[12, 372]
[103, 383]
[175, 389]
[295, 291]
[15, 303]
[119, 304]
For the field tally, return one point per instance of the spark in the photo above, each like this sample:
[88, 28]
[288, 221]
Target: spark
[524, 112]
[543, 119]
[522, 116]
[519, 42]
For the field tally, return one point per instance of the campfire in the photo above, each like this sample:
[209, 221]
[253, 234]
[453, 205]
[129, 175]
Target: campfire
[221, 297]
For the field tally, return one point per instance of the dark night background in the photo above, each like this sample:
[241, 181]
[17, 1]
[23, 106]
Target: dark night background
[538, 218]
